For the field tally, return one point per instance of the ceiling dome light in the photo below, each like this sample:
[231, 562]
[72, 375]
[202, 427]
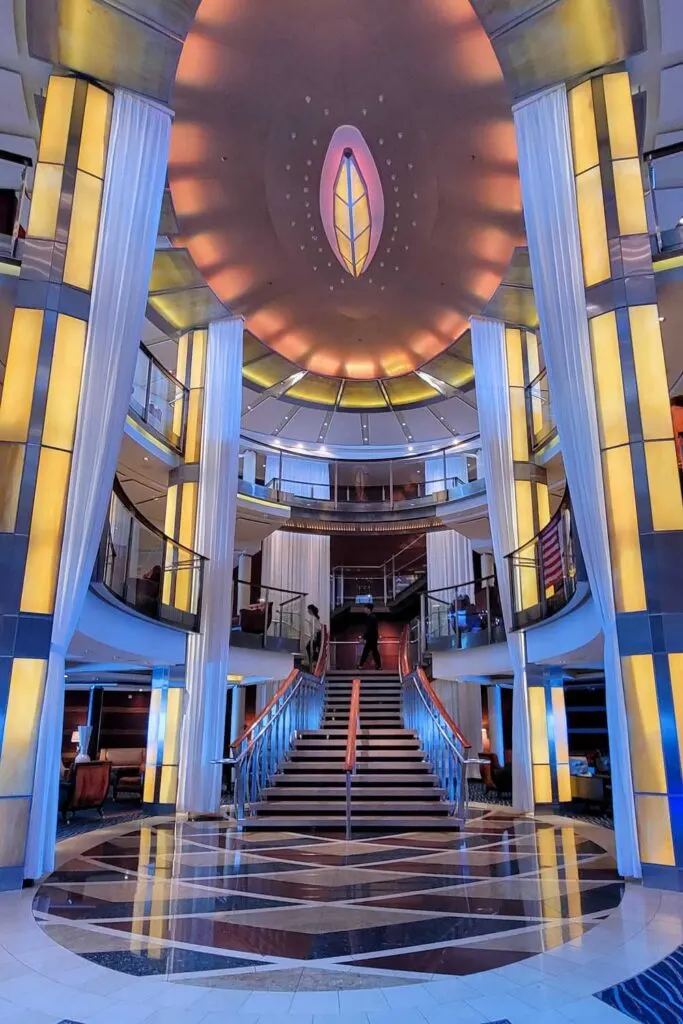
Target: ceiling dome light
[351, 200]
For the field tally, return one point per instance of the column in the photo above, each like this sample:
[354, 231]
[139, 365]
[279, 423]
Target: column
[72, 349]
[243, 581]
[518, 506]
[237, 712]
[596, 294]
[163, 741]
[203, 724]
[549, 743]
[495, 710]
[249, 467]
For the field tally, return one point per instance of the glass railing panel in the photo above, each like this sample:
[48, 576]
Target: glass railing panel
[544, 573]
[539, 411]
[159, 400]
[468, 615]
[146, 570]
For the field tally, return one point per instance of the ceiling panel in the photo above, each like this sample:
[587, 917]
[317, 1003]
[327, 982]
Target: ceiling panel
[267, 416]
[14, 117]
[385, 429]
[305, 426]
[423, 426]
[460, 416]
[344, 429]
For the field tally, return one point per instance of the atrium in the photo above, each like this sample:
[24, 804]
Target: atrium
[341, 511]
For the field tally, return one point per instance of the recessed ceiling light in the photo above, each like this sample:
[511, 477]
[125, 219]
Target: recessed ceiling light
[662, 319]
[145, 458]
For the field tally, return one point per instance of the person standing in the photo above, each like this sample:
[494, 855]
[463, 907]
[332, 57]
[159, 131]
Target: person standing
[371, 639]
[315, 636]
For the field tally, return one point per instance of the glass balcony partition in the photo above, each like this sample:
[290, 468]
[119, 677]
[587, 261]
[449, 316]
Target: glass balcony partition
[275, 619]
[354, 485]
[544, 573]
[540, 417]
[464, 616]
[145, 569]
[382, 583]
[159, 400]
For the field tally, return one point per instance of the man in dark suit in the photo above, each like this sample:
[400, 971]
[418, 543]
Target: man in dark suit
[371, 639]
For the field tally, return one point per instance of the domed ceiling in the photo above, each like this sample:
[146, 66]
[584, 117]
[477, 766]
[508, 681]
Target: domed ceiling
[261, 93]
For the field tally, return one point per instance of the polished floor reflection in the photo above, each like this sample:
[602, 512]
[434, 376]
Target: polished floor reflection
[293, 911]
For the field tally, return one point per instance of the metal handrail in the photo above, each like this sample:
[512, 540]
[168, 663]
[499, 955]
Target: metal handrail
[261, 748]
[444, 745]
[350, 762]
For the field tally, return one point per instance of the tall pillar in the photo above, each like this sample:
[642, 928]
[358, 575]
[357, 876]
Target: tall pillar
[518, 506]
[549, 743]
[249, 467]
[163, 741]
[496, 734]
[243, 581]
[203, 724]
[71, 360]
[595, 289]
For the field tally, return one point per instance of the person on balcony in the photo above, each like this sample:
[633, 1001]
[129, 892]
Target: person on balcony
[371, 639]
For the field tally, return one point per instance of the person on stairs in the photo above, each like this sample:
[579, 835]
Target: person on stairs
[371, 639]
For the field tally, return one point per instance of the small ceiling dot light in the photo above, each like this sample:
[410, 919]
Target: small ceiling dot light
[398, 202]
[381, 97]
[315, 142]
[414, 195]
[292, 223]
[397, 215]
[381, 142]
[315, 268]
[326, 111]
[389, 162]
[410, 167]
[414, 223]
[400, 135]
[288, 167]
[381, 287]
[292, 135]
[331, 287]
[306, 204]
[302, 246]
[305, 177]
[309, 163]
[395, 268]
[308, 99]
[315, 238]
[306, 189]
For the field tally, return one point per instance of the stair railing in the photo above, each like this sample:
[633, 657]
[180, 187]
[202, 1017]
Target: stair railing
[258, 752]
[350, 762]
[445, 747]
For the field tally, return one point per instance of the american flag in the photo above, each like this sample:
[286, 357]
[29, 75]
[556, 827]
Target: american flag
[552, 552]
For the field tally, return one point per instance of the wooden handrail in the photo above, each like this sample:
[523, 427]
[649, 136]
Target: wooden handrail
[321, 663]
[433, 696]
[281, 689]
[350, 763]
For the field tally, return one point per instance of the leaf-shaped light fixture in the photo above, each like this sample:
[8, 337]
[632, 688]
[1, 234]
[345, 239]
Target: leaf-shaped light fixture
[351, 200]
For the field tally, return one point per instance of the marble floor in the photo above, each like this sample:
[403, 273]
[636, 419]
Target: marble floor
[514, 919]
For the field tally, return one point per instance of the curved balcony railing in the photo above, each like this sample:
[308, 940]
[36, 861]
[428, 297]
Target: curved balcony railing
[354, 486]
[445, 747]
[258, 752]
[146, 570]
[383, 583]
[159, 401]
[274, 619]
[467, 615]
[544, 573]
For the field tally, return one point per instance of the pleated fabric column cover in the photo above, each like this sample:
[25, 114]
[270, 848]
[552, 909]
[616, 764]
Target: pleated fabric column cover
[203, 728]
[131, 204]
[493, 404]
[550, 211]
[299, 561]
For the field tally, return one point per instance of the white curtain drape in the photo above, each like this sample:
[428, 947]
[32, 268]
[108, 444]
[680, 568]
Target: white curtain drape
[206, 677]
[462, 701]
[550, 211]
[305, 478]
[493, 405]
[129, 221]
[299, 561]
[449, 564]
[494, 703]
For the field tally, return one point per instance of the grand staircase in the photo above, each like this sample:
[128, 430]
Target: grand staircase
[393, 785]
